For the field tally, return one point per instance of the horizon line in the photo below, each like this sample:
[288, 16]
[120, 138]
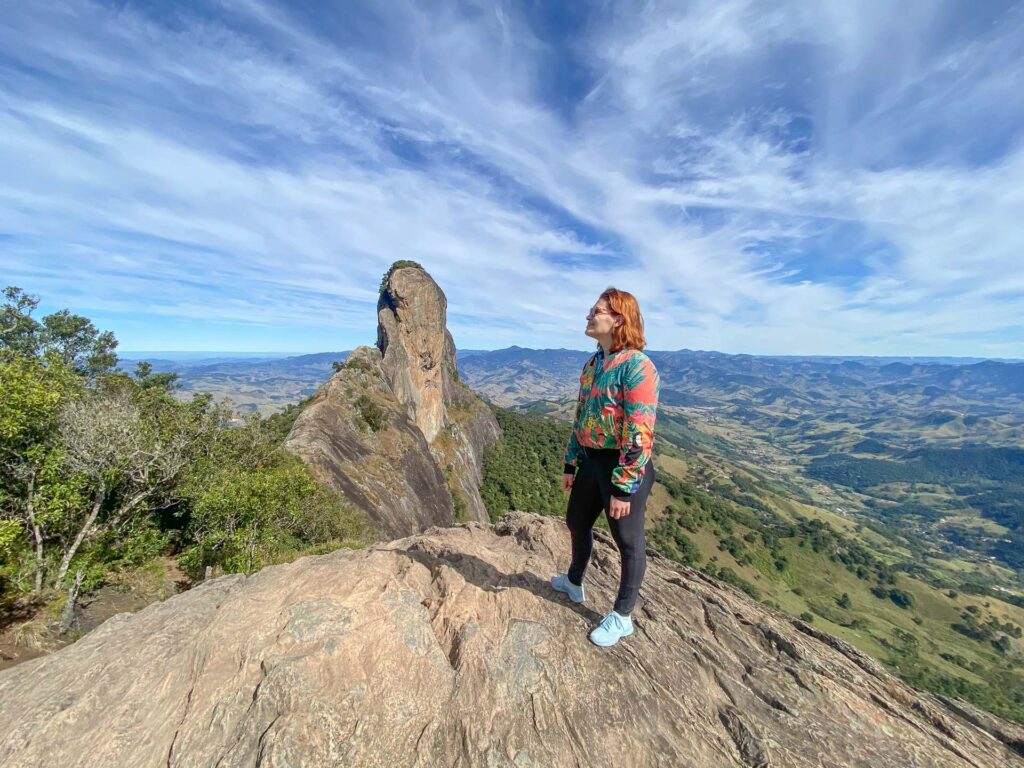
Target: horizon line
[129, 354]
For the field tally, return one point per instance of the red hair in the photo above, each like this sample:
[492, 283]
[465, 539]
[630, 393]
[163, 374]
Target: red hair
[630, 334]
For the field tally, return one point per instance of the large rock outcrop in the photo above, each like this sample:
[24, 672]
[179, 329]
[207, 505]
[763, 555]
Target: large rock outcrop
[418, 359]
[395, 430]
[418, 351]
[449, 648]
[356, 438]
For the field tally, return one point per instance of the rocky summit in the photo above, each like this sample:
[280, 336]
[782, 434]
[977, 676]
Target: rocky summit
[395, 430]
[449, 648]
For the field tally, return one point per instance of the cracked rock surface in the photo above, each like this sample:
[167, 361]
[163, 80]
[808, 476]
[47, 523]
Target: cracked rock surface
[448, 648]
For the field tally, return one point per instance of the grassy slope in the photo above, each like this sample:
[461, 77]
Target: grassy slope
[900, 637]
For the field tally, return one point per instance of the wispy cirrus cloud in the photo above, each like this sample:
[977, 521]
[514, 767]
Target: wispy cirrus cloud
[832, 178]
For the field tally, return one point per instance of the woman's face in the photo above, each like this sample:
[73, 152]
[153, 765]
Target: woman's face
[600, 319]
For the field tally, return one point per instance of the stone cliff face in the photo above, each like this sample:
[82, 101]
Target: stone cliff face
[418, 358]
[356, 438]
[449, 648]
[418, 352]
[395, 430]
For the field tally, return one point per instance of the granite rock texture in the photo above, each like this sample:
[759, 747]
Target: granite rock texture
[395, 430]
[449, 648]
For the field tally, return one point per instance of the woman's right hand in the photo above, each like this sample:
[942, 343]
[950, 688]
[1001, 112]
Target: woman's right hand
[567, 479]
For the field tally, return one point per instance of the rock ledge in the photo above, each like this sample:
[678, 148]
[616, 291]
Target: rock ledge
[449, 648]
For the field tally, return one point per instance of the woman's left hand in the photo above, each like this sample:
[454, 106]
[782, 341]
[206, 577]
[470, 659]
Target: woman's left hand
[619, 508]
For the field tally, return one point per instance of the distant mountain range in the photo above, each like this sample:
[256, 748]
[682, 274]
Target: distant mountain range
[774, 386]
[517, 375]
[265, 385]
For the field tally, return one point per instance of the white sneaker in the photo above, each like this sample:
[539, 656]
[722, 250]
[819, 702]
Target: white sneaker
[611, 629]
[562, 584]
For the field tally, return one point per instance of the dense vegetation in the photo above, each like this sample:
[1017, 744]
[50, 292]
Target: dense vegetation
[103, 471]
[753, 534]
[927, 465]
[521, 471]
[749, 530]
[988, 479]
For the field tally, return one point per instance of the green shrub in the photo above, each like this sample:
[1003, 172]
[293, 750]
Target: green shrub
[729, 576]
[401, 263]
[360, 364]
[242, 517]
[901, 598]
[685, 550]
[370, 414]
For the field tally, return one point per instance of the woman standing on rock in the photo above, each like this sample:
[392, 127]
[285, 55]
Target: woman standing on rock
[608, 460]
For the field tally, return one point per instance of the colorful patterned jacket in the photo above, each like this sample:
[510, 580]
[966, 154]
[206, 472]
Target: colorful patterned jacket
[616, 409]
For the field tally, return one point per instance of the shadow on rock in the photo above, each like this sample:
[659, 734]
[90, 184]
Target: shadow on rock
[485, 576]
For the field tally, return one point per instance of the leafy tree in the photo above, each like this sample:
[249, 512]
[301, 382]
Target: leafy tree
[101, 470]
[34, 493]
[61, 337]
[19, 332]
[688, 551]
[1002, 643]
[75, 341]
[146, 379]
[130, 444]
[281, 422]
[901, 598]
[242, 516]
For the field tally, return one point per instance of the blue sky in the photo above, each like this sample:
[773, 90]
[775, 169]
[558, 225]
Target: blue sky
[778, 178]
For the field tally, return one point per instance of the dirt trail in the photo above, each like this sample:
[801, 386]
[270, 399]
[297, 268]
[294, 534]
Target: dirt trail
[93, 609]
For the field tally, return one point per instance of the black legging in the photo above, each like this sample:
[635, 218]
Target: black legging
[591, 491]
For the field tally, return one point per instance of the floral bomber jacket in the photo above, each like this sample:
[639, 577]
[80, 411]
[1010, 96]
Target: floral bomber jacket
[618, 402]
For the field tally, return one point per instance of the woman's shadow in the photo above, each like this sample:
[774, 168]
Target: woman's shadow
[485, 576]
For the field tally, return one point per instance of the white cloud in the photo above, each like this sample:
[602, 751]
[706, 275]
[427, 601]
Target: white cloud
[258, 167]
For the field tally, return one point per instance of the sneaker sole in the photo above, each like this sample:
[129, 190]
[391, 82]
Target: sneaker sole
[609, 645]
[573, 599]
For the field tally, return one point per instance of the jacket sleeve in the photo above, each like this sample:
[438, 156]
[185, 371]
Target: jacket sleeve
[640, 387]
[572, 450]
